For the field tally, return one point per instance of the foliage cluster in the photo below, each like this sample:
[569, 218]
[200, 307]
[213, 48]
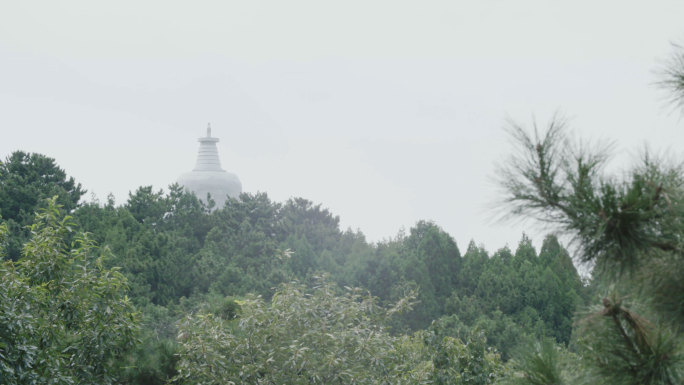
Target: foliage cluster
[26, 181]
[317, 336]
[64, 317]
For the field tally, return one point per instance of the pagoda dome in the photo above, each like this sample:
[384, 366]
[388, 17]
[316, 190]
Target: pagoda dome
[208, 177]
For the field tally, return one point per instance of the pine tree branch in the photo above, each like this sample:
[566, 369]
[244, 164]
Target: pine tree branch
[612, 310]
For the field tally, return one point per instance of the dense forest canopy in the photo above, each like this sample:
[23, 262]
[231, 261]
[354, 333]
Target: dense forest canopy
[163, 289]
[180, 259]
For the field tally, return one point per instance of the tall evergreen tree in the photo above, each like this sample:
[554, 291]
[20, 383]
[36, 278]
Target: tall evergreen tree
[26, 181]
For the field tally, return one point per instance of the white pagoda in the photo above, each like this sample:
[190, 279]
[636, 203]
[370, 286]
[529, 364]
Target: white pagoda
[208, 178]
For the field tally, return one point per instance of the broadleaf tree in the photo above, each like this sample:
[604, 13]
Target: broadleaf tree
[64, 317]
[320, 336]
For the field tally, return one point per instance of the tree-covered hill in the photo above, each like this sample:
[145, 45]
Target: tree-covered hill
[176, 254]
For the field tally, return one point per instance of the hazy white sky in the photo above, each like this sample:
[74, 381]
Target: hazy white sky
[386, 112]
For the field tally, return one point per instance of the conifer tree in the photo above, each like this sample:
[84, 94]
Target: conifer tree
[631, 230]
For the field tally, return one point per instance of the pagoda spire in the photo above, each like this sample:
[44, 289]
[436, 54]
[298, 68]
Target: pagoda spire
[207, 155]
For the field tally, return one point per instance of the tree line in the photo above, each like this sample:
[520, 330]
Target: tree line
[177, 255]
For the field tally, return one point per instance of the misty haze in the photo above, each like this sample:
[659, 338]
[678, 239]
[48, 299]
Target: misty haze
[308, 192]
